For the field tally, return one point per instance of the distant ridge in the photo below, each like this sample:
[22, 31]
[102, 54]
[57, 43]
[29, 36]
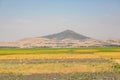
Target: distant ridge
[64, 39]
[67, 34]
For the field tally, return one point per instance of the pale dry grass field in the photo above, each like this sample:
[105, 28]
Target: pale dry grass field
[48, 56]
[55, 68]
[109, 55]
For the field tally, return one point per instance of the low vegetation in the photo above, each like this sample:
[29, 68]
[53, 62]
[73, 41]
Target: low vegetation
[60, 64]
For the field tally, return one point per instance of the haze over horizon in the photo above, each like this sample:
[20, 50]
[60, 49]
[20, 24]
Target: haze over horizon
[99, 19]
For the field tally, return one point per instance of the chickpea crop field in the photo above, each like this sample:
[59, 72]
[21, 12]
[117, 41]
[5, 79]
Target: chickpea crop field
[60, 63]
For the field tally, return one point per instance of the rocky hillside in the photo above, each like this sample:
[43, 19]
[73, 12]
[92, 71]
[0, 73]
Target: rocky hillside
[67, 34]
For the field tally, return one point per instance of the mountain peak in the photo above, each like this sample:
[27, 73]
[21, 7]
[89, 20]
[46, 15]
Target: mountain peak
[68, 30]
[67, 34]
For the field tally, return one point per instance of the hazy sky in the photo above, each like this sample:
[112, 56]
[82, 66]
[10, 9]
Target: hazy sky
[98, 19]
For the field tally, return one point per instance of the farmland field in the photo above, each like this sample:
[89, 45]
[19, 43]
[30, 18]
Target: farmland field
[60, 64]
